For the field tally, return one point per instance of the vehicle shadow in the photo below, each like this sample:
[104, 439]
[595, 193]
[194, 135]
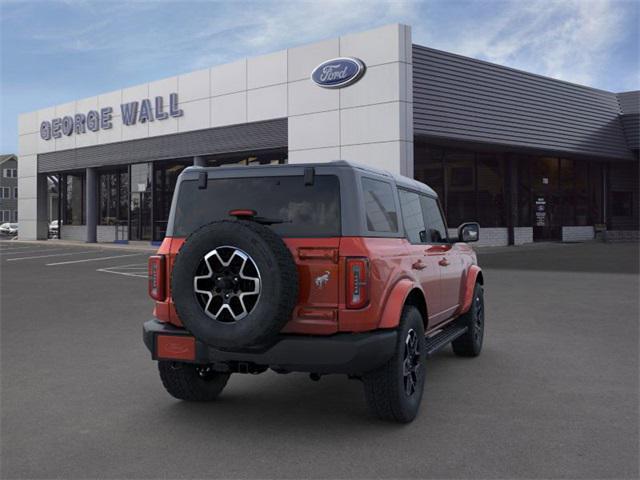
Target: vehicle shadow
[292, 404]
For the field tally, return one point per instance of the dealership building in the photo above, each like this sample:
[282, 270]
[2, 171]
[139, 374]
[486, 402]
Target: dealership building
[530, 158]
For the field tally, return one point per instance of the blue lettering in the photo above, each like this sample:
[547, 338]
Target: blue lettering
[56, 123]
[105, 118]
[93, 121]
[45, 130]
[129, 112]
[174, 111]
[160, 113]
[79, 123]
[67, 125]
[145, 111]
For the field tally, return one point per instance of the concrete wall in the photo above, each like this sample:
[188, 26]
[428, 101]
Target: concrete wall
[577, 234]
[368, 122]
[73, 232]
[489, 237]
[522, 235]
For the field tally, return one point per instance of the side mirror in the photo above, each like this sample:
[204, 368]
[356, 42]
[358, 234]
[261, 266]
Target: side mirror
[469, 232]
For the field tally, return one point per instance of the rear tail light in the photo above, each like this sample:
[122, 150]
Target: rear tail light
[157, 277]
[357, 282]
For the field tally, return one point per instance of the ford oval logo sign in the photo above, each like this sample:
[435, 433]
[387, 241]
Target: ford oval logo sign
[338, 73]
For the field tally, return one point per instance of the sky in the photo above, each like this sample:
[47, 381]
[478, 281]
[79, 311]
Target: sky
[55, 51]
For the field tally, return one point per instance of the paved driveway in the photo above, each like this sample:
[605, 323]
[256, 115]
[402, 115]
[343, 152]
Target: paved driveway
[554, 394]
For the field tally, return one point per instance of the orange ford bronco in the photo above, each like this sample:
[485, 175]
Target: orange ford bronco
[322, 268]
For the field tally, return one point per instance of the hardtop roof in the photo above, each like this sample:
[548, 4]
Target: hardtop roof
[244, 170]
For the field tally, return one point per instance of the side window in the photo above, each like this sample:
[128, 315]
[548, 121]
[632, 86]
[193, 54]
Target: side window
[380, 207]
[436, 230]
[412, 216]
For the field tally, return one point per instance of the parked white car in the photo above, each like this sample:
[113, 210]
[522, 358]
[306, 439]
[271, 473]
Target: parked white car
[54, 229]
[9, 229]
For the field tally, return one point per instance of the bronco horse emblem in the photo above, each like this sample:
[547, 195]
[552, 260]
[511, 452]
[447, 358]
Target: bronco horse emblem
[322, 280]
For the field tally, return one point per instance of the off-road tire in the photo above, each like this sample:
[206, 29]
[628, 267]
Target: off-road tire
[279, 284]
[470, 343]
[194, 383]
[385, 387]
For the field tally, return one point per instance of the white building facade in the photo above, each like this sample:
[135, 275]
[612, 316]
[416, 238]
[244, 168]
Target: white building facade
[113, 158]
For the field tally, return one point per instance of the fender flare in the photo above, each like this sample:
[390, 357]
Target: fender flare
[473, 275]
[390, 317]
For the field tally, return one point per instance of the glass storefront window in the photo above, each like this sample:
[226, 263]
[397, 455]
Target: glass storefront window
[595, 188]
[549, 192]
[491, 198]
[73, 201]
[112, 194]
[460, 187]
[428, 167]
[523, 166]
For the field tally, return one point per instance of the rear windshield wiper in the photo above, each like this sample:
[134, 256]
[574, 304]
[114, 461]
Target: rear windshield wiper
[242, 214]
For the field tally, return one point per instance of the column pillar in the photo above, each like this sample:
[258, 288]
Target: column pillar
[512, 203]
[42, 215]
[199, 162]
[91, 205]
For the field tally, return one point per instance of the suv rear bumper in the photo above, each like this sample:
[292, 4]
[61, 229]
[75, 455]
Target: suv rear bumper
[350, 353]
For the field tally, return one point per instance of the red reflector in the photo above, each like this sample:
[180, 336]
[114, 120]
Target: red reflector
[176, 347]
[157, 277]
[242, 213]
[357, 282]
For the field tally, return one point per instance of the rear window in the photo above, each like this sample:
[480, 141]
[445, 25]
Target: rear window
[305, 210]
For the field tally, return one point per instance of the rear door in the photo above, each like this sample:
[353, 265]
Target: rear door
[443, 252]
[424, 265]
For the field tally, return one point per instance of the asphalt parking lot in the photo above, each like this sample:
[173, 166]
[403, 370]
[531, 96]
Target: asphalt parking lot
[553, 395]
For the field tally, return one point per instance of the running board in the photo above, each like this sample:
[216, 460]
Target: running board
[443, 338]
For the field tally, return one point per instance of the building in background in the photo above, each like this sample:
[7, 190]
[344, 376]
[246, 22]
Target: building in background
[530, 157]
[9, 188]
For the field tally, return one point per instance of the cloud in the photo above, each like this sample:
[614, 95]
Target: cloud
[569, 40]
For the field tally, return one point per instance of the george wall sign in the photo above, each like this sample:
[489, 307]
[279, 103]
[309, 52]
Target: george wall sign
[338, 72]
[94, 120]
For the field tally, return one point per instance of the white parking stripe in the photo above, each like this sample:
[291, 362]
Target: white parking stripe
[52, 255]
[129, 270]
[92, 259]
[21, 249]
[126, 274]
[40, 250]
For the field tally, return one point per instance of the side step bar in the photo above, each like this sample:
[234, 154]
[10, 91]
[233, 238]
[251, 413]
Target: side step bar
[443, 338]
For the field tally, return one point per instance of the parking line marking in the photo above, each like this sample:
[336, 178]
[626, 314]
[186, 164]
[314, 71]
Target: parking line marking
[18, 249]
[46, 256]
[91, 259]
[22, 252]
[126, 274]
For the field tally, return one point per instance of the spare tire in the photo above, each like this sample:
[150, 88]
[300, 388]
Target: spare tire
[234, 284]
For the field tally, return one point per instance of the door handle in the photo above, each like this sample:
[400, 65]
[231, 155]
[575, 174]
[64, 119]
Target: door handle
[418, 265]
[444, 262]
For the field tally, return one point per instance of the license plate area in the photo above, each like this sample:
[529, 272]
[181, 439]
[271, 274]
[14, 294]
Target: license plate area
[174, 347]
